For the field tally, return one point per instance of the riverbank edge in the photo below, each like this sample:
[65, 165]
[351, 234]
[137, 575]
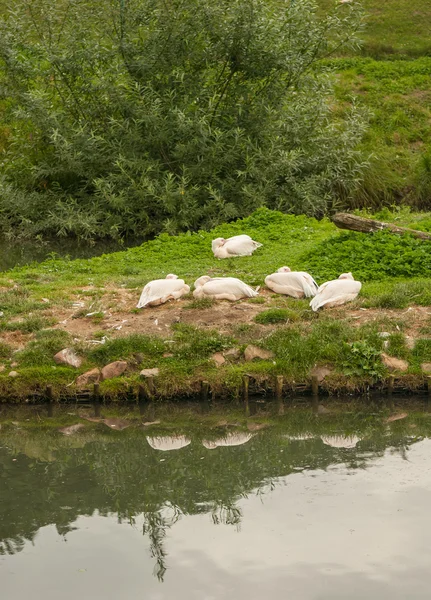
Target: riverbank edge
[251, 385]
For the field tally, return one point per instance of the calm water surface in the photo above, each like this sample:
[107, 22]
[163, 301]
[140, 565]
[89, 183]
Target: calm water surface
[19, 253]
[106, 515]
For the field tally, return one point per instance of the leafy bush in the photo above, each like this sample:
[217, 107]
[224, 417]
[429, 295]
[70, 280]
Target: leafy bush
[141, 116]
[362, 358]
[370, 256]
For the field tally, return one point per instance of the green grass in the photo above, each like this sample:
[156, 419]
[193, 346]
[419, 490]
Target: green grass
[29, 324]
[395, 272]
[41, 350]
[276, 315]
[125, 347]
[394, 27]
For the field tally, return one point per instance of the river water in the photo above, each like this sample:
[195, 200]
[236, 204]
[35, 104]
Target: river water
[20, 253]
[328, 511]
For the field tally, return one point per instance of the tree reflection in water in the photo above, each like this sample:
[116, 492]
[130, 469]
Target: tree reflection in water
[48, 479]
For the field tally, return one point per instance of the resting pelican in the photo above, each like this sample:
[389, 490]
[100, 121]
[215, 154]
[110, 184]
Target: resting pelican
[231, 439]
[336, 292]
[223, 288]
[160, 291]
[168, 442]
[292, 283]
[238, 245]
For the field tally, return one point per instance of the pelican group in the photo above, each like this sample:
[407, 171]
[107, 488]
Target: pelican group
[296, 284]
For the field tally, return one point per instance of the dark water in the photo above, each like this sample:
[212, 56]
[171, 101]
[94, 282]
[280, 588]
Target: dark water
[331, 511]
[16, 254]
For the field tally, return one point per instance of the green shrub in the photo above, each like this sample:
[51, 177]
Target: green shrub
[140, 116]
[362, 358]
[370, 257]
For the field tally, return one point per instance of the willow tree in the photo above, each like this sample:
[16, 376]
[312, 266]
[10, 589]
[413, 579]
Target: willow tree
[137, 116]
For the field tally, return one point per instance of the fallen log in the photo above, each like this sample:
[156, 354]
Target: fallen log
[355, 223]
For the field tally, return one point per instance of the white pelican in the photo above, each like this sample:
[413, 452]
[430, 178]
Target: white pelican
[238, 245]
[340, 441]
[231, 439]
[160, 291]
[223, 288]
[297, 284]
[336, 292]
[168, 442]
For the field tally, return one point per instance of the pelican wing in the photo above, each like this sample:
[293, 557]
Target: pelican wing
[240, 245]
[159, 288]
[229, 285]
[292, 284]
[337, 291]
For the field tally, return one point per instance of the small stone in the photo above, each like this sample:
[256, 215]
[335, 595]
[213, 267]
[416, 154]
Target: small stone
[87, 378]
[2, 368]
[426, 367]
[394, 364]
[253, 352]
[384, 334]
[320, 373]
[232, 353]
[68, 357]
[13, 374]
[14, 364]
[218, 358]
[167, 355]
[149, 372]
[114, 369]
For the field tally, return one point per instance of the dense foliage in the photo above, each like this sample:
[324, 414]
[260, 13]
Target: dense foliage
[371, 257]
[137, 116]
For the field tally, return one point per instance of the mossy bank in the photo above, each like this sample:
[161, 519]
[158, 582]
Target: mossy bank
[89, 307]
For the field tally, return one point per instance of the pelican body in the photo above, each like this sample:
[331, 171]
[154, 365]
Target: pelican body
[223, 288]
[297, 284]
[336, 292]
[160, 291]
[238, 245]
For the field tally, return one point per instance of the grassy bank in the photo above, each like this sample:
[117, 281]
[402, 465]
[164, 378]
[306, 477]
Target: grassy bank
[89, 305]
